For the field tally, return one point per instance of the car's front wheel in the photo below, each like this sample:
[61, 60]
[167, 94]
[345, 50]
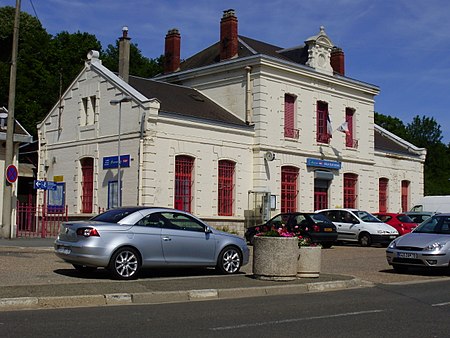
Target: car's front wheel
[365, 239]
[125, 264]
[229, 261]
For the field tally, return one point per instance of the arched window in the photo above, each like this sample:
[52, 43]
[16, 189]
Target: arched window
[289, 190]
[184, 166]
[226, 188]
[350, 193]
[87, 184]
[383, 194]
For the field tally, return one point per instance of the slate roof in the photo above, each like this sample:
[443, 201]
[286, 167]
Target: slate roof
[246, 47]
[389, 142]
[184, 101]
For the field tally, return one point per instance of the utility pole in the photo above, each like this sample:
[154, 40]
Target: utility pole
[7, 196]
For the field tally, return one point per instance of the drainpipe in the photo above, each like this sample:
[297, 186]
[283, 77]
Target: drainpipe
[248, 98]
[141, 159]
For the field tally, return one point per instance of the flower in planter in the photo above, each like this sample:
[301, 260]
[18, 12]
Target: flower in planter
[306, 241]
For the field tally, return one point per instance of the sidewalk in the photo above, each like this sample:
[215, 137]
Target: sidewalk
[31, 276]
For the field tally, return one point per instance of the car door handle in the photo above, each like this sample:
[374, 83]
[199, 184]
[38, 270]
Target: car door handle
[166, 239]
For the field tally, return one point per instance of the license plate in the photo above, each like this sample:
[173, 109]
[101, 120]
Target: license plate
[407, 255]
[64, 251]
[328, 229]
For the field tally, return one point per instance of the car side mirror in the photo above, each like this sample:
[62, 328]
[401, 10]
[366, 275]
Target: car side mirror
[208, 230]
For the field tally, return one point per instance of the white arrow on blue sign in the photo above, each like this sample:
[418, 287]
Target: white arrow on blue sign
[44, 185]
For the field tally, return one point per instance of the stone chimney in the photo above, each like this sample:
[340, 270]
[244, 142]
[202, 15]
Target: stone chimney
[172, 51]
[124, 55]
[228, 35]
[338, 61]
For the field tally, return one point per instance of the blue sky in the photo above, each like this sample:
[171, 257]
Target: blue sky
[402, 46]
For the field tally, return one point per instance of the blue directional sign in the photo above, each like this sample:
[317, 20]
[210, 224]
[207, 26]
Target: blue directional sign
[314, 162]
[44, 185]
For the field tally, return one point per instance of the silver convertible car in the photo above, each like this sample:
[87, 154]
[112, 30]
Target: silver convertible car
[428, 245]
[124, 240]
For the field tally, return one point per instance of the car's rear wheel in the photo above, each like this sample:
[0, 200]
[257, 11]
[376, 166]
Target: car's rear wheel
[84, 268]
[326, 245]
[365, 239]
[229, 261]
[125, 264]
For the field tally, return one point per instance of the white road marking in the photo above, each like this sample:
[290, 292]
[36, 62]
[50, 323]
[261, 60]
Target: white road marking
[292, 320]
[441, 304]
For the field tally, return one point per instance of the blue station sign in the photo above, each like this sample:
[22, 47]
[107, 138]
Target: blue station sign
[110, 162]
[315, 162]
[44, 185]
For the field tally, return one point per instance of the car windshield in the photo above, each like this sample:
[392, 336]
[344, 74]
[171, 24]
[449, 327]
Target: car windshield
[435, 225]
[113, 215]
[318, 218]
[366, 217]
[405, 219]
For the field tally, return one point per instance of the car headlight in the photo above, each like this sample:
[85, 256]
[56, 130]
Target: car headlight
[393, 245]
[434, 246]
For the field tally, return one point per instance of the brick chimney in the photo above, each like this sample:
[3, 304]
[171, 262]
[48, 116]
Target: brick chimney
[124, 55]
[172, 51]
[228, 35]
[338, 61]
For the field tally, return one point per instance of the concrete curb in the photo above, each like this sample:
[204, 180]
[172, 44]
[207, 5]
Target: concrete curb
[161, 297]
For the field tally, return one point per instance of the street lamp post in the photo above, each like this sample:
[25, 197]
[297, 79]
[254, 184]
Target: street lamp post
[119, 185]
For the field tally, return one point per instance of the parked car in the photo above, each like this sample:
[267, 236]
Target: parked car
[427, 246]
[360, 226]
[419, 216]
[402, 222]
[124, 240]
[317, 228]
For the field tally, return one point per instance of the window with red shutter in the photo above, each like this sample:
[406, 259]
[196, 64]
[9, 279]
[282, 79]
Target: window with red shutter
[383, 194]
[226, 188]
[289, 190]
[184, 166]
[322, 135]
[405, 196]
[350, 196]
[87, 184]
[349, 118]
[289, 117]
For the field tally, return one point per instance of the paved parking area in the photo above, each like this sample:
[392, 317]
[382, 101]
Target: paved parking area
[25, 266]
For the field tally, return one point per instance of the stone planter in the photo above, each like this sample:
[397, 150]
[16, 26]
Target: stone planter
[309, 261]
[275, 258]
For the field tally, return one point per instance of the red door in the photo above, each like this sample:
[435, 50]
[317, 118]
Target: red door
[87, 184]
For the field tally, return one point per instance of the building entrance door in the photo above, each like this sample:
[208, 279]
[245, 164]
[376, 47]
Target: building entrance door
[320, 194]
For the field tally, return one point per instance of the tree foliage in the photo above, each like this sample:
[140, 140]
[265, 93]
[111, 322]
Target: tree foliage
[48, 64]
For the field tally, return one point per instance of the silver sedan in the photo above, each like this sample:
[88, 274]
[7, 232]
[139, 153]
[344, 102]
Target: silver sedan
[428, 246]
[124, 240]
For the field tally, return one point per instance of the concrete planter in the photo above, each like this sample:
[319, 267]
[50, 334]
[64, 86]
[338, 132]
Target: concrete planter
[309, 261]
[275, 258]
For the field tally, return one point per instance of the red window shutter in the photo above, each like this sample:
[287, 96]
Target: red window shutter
[383, 194]
[289, 190]
[87, 184]
[289, 117]
[405, 196]
[226, 188]
[350, 196]
[184, 166]
[349, 118]
[322, 135]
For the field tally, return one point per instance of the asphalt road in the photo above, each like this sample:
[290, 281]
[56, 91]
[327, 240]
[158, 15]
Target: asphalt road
[412, 310]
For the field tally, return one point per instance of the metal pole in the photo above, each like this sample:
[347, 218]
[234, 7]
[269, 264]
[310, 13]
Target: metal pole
[7, 195]
[119, 184]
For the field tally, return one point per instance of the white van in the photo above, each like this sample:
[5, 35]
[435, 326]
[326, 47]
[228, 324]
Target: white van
[433, 204]
[354, 225]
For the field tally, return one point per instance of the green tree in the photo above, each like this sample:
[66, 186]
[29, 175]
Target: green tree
[392, 124]
[424, 131]
[139, 64]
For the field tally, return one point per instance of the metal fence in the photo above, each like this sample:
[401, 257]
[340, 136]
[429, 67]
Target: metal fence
[39, 220]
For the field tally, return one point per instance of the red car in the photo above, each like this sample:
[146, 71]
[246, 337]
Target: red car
[401, 222]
